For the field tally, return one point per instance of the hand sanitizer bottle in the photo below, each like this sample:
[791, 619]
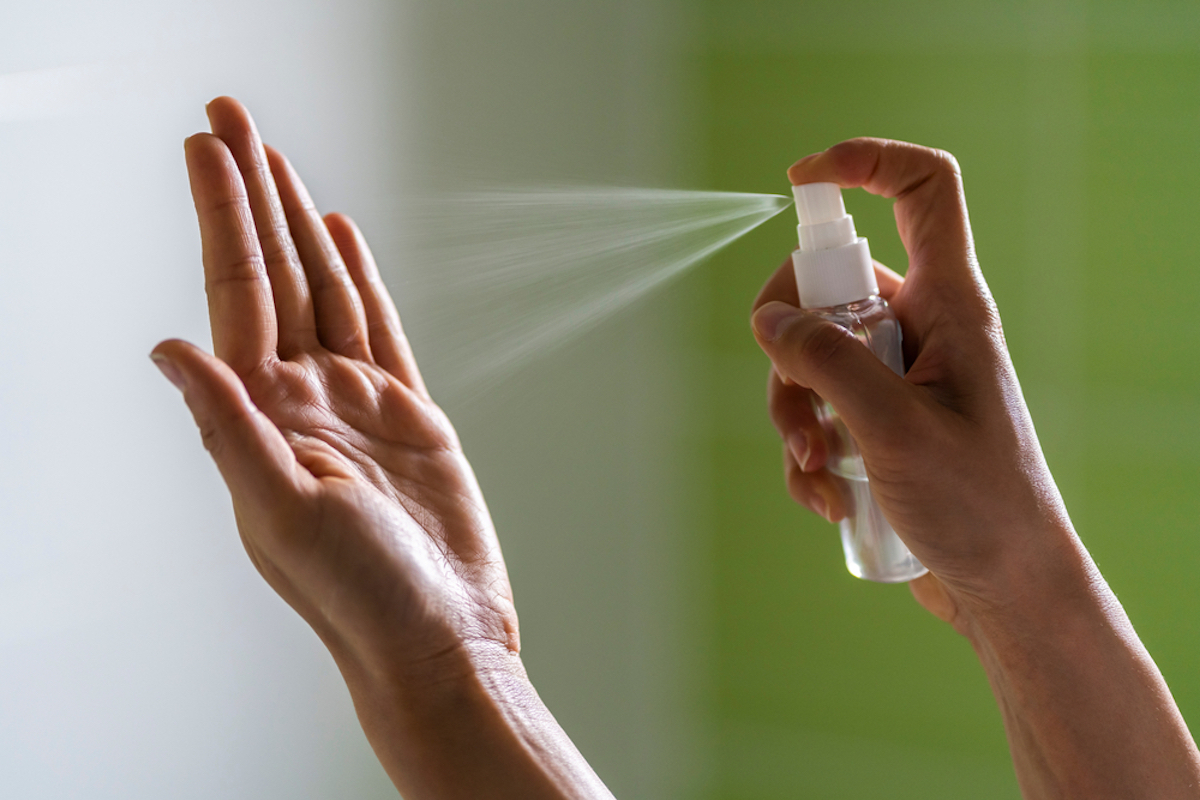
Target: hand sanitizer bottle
[836, 279]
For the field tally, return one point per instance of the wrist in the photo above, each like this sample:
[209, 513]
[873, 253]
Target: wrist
[1075, 685]
[468, 724]
[1042, 588]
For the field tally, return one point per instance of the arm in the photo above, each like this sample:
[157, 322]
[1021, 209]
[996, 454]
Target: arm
[955, 464]
[351, 492]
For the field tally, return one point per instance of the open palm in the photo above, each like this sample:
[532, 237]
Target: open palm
[351, 492]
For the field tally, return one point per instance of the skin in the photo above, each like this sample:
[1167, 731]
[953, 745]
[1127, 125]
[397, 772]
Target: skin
[356, 504]
[955, 464]
[351, 492]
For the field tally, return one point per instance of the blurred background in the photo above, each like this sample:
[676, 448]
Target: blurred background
[695, 632]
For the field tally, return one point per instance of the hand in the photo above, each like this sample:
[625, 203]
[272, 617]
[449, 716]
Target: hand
[955, 465]
[950, 449]
[351, 492]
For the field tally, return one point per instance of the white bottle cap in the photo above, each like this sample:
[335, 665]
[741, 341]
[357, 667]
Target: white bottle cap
[833, 265]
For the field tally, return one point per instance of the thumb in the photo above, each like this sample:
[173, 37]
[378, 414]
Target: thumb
[870, 398]
[253, 457]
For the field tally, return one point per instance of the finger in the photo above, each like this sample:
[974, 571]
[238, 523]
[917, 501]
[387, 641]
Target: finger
[289, 286]
[931, 209]
[389, 345]
[254, 459]
[932, 594]
[817, 491]
[873, 401]
[240, 307]
[340, 320]
[791, 411]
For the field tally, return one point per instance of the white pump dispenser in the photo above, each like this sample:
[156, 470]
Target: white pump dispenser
[833, 264]
[836, 280]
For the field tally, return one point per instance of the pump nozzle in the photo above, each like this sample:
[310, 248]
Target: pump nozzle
[833, 264]
[818, 202]
[824, 222]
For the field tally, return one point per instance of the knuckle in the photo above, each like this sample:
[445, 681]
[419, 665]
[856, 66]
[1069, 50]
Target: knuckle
[248, 269]
[234, 203]
[796, 483]
[276, 248]
[945, 164]
[211, 439]
[822, 345]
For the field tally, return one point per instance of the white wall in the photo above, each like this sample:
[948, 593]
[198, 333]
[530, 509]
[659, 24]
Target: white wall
[140, 654]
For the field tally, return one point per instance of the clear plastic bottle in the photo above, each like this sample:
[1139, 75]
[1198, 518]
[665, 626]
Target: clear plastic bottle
[836, 280]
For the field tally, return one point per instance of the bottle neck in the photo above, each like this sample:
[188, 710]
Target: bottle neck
[835, 276]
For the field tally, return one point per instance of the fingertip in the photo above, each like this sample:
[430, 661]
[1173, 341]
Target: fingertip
[247, 447]
[196, 144]
[169, 369]
[773, 319]
[278, 162]
[173, 350]
[797, 442]
[797, 173]
[177, 360]
[222, 103]
[849, 163]
[282, 170]
[829, 498]
[352, 245]
[203, 374]
[227, 115]
[931, 593]
[204, 150]
[337, 218]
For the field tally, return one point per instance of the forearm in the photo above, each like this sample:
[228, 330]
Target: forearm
[1086, 710]
[481, 732]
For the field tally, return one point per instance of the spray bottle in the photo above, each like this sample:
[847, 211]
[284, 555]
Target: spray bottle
[836, 279]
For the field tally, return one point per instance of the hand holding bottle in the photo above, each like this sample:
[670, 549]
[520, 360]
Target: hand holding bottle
[955, 465]
[950, 449]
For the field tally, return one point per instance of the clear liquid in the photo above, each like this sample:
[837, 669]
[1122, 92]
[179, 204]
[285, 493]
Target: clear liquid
[873, 550]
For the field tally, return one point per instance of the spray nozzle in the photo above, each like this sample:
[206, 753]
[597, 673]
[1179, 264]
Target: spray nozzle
[833, 264]
[818, 202]
[824, 222]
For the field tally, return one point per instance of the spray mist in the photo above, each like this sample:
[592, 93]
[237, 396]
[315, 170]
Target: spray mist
[836, 279]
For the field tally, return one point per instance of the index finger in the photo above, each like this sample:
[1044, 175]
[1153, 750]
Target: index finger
[931, 209]
[241, 309]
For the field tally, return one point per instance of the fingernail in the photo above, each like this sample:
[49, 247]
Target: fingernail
[773, 319]
[820, 506]
[798, 443]
[169, 369]
[801, 163]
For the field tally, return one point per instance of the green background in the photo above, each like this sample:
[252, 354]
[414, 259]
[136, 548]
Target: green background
[1075, 125]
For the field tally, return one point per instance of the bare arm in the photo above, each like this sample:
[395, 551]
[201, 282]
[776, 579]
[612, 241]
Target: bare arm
[955, 464]
[352, 494]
